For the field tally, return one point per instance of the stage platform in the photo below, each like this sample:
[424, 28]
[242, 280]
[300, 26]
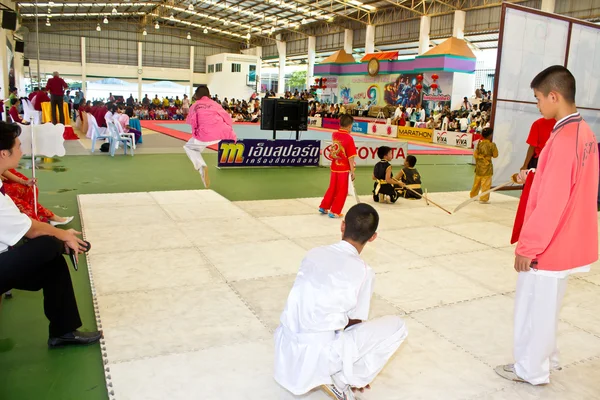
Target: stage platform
[246, 130]
[188, 288]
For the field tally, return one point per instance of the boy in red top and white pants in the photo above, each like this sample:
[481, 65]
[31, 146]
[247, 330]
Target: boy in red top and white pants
[559, 235]
[343, 150]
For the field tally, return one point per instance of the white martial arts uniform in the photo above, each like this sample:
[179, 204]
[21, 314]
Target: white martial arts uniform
[194, 148]
[333, 285]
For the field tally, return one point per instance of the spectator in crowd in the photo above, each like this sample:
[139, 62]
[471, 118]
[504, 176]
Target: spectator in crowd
[39, 263]
[146, 101]
[14, 112]
[466, 105]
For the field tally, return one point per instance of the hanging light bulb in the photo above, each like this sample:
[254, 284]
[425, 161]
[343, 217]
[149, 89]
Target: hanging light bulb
[48, 22]
[248, 36]
[105, 20]
[191, 7]
[205, 30]
[304, 21]
[144, 32]
[98, 28]
[49, 11]
[156, 26]
[272, 29]
[189, 36]
[114, 11]
[171, 17]
[226, 23]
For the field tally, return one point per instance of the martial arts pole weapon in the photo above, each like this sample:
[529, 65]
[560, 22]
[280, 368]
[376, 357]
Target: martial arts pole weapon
[35, 189]
[354, 190]
[427, 200]
[512, 181]
[425, 197]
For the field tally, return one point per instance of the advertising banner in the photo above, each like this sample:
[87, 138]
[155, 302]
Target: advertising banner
[268, 153]
[331, 123]
[458, 139]
[360, 127]
[420, 134]
[367, 152]
[314, 122]
[382, 130]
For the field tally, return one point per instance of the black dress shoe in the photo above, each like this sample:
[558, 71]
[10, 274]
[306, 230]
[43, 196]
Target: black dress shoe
[74, 338]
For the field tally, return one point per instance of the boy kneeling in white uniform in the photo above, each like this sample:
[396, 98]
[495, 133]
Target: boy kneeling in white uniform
[324, 337]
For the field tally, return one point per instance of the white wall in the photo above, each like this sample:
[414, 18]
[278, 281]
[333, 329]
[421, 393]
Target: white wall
[231, 84]
[462, 86]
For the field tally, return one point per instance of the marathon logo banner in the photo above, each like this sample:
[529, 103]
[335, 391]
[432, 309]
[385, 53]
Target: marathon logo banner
[420, 134]
[269, 153]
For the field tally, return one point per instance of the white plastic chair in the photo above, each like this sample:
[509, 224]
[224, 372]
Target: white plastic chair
[31, 114]
[123, 133]
[95, 132]
[118, 138]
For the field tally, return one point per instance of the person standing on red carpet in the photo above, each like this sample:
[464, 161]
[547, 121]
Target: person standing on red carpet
[343, 150]
[559, 236]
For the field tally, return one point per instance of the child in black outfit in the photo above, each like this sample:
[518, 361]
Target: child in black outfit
[385, 184]
[411, 178]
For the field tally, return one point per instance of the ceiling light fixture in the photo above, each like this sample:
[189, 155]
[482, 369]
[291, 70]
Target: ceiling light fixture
[171, 17]
[98, 27]
[304, 21]
[248, 36]
[205, 30]
[189, 36]
[144, 32]
[191, 7]
[48, 23]
[114, 11]
[105, 20]
[50, 3]
[157, 26]
[226, 23]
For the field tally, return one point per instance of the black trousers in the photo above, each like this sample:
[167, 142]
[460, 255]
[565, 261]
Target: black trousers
[57, 101]
[39, 264]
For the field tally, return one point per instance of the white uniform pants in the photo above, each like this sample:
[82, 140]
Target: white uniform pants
[537, 305]
[194, 148]
[374, 342]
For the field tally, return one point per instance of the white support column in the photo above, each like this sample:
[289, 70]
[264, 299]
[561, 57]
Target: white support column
[259, 69]
[370, 39]
[348, 41]
[424, 34]
[3, 70]
[281, 49]
[312, 52]
[458, 31]
[140, 68]
[548, 5]
[83, 68]
[191, 71]
[19, 73]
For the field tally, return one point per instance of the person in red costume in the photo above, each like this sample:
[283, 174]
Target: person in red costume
[538, 136]
[559, 228]
[343, 150]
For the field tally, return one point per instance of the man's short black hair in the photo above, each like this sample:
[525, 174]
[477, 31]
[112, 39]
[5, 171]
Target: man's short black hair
[555, 79]
[346, 120]
[361, 221]
[487, 132]
[382, 151]
[412, 161]
[8, 135]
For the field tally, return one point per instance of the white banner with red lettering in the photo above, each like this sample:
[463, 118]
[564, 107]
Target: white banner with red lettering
[451, 138]
[390, 131]
[367, 152]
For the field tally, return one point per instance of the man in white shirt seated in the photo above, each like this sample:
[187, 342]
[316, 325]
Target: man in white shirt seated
[39, 263]
[324, 337]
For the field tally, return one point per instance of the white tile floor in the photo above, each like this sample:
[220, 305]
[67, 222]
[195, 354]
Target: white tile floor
[189, 288]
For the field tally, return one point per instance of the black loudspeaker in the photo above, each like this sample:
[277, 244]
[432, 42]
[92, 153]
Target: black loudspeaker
[9, 20]
[19, 46]
[284, 115]
[26, 63]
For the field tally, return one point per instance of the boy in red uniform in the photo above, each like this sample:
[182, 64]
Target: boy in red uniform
[559, 235]
[538, 136]
[342, 153]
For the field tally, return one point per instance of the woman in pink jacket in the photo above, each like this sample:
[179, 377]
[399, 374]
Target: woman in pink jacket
[210, 124]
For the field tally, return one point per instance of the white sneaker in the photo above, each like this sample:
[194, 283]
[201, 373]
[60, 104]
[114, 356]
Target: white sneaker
[204, 175]
[67, 221]
[508, 372]
[338, 394]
